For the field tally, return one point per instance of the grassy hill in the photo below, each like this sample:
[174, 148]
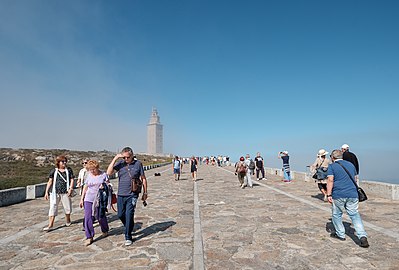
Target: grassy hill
[22, 167]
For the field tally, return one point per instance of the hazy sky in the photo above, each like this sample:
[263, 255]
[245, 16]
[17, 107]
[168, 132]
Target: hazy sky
[227, 77]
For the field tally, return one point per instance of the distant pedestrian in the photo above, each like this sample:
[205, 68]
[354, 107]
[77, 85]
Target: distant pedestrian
[193, 168]
[82, 177]
[59, 188]
[351, 157]
[260, 166]
[319, 169]
[342, 193]
[176, 167]
[250, 164]
[286, 165]
[131, 175]
[241, 171]
[96, 200]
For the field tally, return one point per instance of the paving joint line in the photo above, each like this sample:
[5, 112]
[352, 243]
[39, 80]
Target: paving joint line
[326, 209]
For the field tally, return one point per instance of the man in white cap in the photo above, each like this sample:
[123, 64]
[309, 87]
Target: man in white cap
[349, 156]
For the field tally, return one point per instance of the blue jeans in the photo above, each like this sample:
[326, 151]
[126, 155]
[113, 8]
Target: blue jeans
[287, 175]
[126, 207]
[351, 207]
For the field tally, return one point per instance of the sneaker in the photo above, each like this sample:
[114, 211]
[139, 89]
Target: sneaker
[363, 242]
[334, 235]
[47, 229]
[128, 242]
[68, 224]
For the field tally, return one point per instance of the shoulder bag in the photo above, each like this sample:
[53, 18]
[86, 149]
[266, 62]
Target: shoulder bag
[360, 192]
[136, 183]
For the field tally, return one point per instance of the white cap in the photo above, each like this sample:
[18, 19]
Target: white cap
[285, 152]
[345, 146]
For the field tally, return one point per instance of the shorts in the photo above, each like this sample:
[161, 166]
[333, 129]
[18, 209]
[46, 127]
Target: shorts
[66, 203]
[176, 171]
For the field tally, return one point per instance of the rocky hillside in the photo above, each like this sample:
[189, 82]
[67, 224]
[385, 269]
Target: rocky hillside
[22, 167]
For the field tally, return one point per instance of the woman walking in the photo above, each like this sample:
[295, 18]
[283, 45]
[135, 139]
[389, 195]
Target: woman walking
[193, 168]
[59, 188]
[95, 200]
[319, 170]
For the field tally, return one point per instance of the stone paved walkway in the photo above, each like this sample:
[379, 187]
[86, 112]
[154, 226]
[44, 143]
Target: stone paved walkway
[274, 225]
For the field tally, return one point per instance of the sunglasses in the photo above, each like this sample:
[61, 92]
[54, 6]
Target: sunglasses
[84, 162]
[127, 157]
[63, 161]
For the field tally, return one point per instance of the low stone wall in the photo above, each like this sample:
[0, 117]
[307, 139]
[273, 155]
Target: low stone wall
[380, 190]
[12, 196]
[31, 192]
[372, 188]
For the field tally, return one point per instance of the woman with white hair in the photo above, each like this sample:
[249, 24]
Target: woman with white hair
[319, 170]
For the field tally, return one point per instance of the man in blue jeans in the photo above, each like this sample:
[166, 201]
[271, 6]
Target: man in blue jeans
[128, 168]
[342, 193]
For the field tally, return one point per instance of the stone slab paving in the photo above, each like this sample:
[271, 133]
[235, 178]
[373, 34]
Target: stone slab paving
[274, 225]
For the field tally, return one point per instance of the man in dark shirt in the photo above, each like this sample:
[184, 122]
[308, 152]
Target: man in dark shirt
[128, 168]
[349, 156]
[260, 166]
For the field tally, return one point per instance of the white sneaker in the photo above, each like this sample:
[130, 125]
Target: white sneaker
[128, 242]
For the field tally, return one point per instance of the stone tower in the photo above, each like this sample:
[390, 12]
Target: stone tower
[154, 134]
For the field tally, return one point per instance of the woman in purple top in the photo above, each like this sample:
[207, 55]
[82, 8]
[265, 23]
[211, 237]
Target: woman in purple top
[90, 200]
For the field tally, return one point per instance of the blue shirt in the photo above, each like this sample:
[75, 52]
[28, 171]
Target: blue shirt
[125, 183]
[343, 185]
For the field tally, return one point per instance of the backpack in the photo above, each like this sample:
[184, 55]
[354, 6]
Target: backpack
[251, 165]
[241, 168]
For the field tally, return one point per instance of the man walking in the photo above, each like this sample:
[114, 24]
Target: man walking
[260, 166]
[342, 194]
[349, 156]
[249, 162]
[129, 169]
[177, 166]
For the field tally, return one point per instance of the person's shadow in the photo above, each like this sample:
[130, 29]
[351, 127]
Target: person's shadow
[349, 231]
[141, 233]
[154, 228]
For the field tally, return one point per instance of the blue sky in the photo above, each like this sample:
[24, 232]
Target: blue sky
[227, 77]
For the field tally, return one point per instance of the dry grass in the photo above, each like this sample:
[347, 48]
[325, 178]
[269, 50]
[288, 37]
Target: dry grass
[20, 167]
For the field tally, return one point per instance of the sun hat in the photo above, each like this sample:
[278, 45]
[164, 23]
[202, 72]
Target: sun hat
[345, 146]
[322, 152]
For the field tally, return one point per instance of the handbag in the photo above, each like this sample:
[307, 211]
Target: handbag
[360, 192]
[136, 183]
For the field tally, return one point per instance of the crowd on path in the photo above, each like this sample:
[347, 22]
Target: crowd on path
[334, 179]
[337, 179]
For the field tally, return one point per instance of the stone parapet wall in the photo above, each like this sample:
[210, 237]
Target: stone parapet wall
[31, 192]
[372, 188]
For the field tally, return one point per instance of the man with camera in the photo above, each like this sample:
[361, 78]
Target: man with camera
[131, 179]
